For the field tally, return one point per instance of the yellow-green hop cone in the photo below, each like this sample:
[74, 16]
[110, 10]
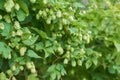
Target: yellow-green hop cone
[65, 61]
[59, 14]
[9, 5]
[17, 25]
[0, 17]
[22, 51]
[13, 78]
[19, 32]
[1, 26]
[73, 63]
[32, 1]
[13, 68]
[28, 65]
[17, 7]
[60, 50]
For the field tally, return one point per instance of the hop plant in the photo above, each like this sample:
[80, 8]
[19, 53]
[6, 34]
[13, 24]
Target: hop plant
[40, 39]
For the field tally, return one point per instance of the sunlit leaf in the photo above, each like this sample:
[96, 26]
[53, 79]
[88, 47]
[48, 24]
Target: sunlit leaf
[30, 41]
[24, 6]
[40, 32]
[21, 15]
[32, 77]
[88, 64]
[117, 45]
[32, 54]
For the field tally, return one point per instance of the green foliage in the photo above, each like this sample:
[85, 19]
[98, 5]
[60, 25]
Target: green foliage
[59, 39]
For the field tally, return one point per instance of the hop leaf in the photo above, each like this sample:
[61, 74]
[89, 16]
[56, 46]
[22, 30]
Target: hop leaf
[32, 54]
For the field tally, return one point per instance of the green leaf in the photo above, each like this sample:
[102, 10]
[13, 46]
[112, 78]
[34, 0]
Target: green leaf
[2, 4]
[30, 41]
[47, 43]
[26, 30]
[32, 54]
[1, 62]
[40, 32]
[72, 30]
[88, 64]
[46, 54]
[4, 50]
[16, 72]
[48, 51]
[63, 71]
[32, 77]
[95, 62]
[27, 19]
[39, 46]
[117, 45]
[56, 71]
[7, 30]
[20, 60]
[112, 70]
[78, 5]
[51, 68]
[23, 6]
[60, 68]
[53, 76]
[21, 15]
[117, 59]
